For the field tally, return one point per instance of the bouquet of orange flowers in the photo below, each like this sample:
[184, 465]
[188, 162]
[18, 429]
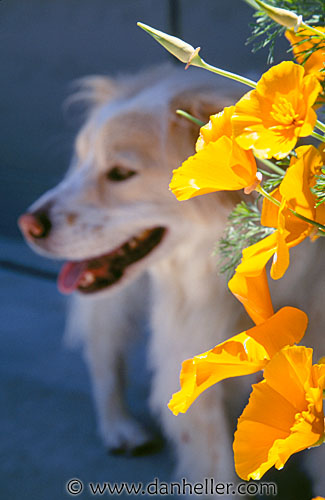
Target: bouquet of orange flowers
[265, 125]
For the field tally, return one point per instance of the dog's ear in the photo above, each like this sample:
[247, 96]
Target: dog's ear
[93, 91]
[200, 103]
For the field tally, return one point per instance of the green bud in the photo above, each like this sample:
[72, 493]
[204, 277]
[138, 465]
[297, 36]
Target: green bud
[253, 4]
[180, 49]
[281, 16]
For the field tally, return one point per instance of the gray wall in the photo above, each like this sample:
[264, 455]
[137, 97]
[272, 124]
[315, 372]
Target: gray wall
[46, 44]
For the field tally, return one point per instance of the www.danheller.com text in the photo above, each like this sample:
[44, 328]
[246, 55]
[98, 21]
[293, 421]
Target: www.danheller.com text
[156, 487]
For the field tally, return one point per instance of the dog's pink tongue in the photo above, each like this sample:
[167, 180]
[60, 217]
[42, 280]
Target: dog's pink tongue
[70, 275]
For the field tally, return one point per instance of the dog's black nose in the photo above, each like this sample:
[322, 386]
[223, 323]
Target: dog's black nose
[35, 225]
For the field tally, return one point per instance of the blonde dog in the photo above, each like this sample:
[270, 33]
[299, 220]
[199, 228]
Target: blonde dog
[131, 247]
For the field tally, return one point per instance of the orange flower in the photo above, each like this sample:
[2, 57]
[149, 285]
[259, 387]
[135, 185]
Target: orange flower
[252, 290]
[219, 163]
[281, 418]
[294, 192]
[247, 352]
[270, 118]
[249, 283]
[302, 43]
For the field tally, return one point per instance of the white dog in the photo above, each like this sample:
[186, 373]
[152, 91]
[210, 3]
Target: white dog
[129, 243]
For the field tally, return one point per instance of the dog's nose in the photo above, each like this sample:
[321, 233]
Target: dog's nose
[36, 225]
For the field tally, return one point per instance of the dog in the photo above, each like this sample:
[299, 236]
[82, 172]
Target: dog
[131, 246]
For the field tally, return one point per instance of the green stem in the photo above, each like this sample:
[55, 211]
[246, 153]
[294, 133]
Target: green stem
[200, 63]
[313, 222]
[190, 117]
[262, 191]
[318, 136]
[272, 166]
[314, 30]
[320, 125]
[264, 172]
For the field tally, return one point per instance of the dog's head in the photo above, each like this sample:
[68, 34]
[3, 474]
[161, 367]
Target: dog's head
[113, 215]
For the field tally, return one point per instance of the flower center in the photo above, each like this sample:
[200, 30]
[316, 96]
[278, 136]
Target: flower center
[283, 112]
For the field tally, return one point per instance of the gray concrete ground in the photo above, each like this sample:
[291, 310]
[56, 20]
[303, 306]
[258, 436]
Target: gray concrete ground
[48, 432]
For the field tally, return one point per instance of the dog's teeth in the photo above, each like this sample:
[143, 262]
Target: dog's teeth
[133, 243]
[87, 279]
[144, 235]
[120, 252]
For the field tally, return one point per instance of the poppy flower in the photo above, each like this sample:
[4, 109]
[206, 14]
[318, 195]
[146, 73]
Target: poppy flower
[303, 43]
[294, 193]
[270, 119]
[252, 290]
[281, 418]
[219, 163]
[245, 353]
[249, 283]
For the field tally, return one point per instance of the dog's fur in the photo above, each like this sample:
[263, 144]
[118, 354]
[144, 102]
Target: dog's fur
[132, 123]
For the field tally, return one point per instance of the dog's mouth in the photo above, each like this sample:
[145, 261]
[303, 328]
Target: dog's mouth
[92, 275]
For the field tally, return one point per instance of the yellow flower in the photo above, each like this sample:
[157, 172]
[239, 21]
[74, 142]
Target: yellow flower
[281, 418]
[252, 290]
[249, 283]
[270, 118]
[219, 163]
[316, 61]
[247, 352]
[294, 193]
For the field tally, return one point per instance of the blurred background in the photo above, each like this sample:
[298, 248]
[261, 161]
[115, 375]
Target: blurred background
[47, 422]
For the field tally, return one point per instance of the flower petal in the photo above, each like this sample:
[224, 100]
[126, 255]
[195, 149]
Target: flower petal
[270, 118]
[299, 178]
[213, 168]
[270, 211]
[286, 327]
[256, 256]
[253, 292]
[286, 76]
[245, 353]
[315, 61]
[218, 125]
[240, 355]
[278, 421]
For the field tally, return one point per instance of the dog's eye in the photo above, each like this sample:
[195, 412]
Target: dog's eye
[119, 173]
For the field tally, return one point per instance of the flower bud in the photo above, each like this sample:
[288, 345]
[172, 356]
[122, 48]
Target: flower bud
[281, 16]
[180, 49]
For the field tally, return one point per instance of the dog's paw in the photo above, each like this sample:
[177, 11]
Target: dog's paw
[128, 437]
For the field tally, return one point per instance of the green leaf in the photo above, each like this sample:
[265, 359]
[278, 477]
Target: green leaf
[243, 229]
[319, 188]
[265, 31]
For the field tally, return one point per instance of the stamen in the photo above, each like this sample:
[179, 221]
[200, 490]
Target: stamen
[283, 112]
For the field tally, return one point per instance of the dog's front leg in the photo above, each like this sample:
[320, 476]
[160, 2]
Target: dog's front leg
[193, 311]
[107, 324]
[201, 438]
